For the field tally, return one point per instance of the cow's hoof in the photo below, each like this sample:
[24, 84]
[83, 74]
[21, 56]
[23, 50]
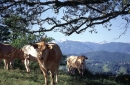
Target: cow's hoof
[52, 84]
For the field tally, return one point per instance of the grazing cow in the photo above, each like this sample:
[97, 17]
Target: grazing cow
[9, 53]
[30, 54]
[49, 56]
[76, 62]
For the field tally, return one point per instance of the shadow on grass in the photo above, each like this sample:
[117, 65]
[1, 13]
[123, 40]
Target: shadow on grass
[101, 78]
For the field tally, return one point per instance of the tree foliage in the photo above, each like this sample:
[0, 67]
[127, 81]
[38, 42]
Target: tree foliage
[16, 26]
[4, 34]
[16, 32]
[70, 16]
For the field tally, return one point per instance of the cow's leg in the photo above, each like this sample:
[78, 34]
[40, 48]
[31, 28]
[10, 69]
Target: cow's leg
[79, 71]
[52, 78]
[72, 70]
[82, 69]
[69, 70]
[6, 63]
[57, 76]
[26, 63]
[82, 72]
[11, 64]
[45, 74]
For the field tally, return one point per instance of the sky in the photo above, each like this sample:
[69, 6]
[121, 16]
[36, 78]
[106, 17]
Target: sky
[102, 35]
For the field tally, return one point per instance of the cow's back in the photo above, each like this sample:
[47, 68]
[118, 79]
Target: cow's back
[5, 49]
[9, 52]
[71, 61]
[53, 56]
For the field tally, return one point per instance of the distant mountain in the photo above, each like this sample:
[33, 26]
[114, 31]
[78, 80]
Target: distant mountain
[77, 47]
[115, 47]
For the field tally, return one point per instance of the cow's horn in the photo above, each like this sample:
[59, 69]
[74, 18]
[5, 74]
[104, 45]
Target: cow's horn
[50, 46]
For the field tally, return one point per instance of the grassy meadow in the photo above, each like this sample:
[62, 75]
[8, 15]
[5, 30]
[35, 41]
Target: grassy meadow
[20, 77]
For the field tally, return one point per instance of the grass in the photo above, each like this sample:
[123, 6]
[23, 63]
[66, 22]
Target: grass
[20, 77]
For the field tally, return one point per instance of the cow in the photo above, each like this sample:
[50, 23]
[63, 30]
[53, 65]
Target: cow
[49, 57]
[9, 53]
[76, 62]
[30, 54]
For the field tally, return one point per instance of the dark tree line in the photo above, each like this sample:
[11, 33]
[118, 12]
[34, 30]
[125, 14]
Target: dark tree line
[78, 15]
[4, 34]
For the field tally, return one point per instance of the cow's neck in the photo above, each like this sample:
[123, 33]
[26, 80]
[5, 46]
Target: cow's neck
[19, 54]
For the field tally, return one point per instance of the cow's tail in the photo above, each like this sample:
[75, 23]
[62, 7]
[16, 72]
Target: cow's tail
[68, 64]
[67, 61]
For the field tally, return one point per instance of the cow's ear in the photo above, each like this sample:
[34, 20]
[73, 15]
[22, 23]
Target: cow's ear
[35, 45]
[86, 57]
[49, 46]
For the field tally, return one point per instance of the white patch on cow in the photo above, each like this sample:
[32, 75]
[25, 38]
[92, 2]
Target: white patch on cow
[79, 60]
[28, 49]
[26, 62]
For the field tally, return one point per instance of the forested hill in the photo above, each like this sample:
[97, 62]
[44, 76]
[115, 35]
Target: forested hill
[104, 56]
[115, 47]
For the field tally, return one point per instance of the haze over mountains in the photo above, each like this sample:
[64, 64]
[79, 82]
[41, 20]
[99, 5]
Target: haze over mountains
[78, 47]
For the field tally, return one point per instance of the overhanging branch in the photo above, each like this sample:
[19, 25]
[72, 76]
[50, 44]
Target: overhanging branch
[32, 11]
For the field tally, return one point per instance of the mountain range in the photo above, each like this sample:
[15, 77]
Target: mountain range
[111, 57]
[78, 47]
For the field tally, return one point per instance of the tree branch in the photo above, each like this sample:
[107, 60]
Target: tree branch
[80, 12]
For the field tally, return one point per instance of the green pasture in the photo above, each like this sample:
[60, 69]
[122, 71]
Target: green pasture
[20, 77]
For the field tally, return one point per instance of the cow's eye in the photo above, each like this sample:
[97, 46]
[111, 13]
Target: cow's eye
[39, 54]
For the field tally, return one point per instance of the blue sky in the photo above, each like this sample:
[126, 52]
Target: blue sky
[102, 35]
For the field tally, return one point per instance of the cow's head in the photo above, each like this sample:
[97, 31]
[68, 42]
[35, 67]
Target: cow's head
[82, 57]
[41, 48]
[86, 57]
[82, 63]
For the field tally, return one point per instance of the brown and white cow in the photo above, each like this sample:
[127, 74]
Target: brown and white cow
[30, 54]
[9, 53]
[49, 56]
[76, 62]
